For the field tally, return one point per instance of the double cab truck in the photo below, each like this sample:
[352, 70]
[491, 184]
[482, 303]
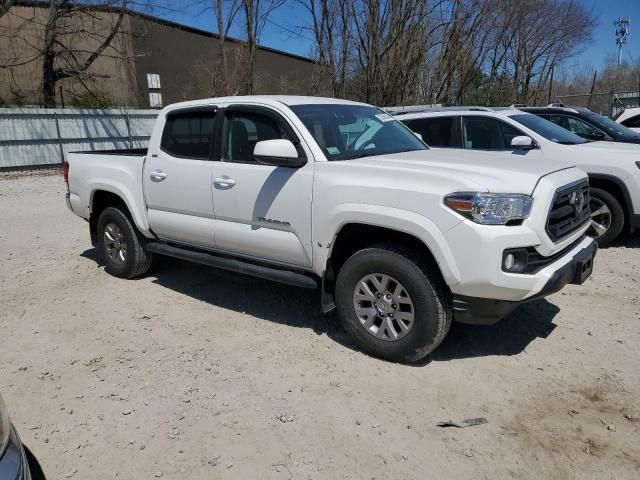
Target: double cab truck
[340, 196]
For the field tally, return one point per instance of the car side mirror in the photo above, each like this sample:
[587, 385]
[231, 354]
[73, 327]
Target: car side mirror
[278, 153]
[523, 142]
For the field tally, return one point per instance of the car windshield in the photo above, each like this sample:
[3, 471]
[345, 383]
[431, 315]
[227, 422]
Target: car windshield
[345, 132]
[612, 128]
[548, 130]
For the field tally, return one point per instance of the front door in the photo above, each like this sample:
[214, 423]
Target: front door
[261, 211]
[178, 179]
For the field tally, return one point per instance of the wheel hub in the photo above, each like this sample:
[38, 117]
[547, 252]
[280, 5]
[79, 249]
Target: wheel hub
[600, 218]
[115, 243]
[383, 306]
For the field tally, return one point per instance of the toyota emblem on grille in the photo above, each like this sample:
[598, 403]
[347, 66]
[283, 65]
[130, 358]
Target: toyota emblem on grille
[577, 201]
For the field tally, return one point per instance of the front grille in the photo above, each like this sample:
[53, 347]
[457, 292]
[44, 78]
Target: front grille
[566, 216]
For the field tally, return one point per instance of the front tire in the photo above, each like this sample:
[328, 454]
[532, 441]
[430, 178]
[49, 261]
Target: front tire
[392, 304]
[121, 245]
[607, 217]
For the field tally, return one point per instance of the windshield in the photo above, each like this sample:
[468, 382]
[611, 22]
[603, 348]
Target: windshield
[612, 128]
[345, 132]
[548, 130]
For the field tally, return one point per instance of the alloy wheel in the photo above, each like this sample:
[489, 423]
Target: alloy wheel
[600, 218]
[115, 243]
[383, 306]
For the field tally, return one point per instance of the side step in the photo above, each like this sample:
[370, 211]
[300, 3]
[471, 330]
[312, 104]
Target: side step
[297, 279]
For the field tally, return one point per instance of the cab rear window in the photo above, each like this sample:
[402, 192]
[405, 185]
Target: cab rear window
[188, 134]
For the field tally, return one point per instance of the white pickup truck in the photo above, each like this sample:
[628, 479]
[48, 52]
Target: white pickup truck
[337, 195]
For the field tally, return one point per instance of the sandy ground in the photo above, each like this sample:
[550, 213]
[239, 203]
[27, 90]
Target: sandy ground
[200, 374]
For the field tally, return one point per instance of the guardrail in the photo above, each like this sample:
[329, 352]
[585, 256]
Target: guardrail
[42, 137]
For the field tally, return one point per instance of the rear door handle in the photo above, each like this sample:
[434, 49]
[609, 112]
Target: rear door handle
[224, 182]
[157, 175]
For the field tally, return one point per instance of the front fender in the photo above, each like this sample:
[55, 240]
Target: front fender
[387, 217]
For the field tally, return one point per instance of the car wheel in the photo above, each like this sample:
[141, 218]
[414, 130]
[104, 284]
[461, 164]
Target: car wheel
[121, 245]
[607, 217]
[392, 304]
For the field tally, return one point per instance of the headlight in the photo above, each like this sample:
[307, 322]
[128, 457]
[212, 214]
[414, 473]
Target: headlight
[490, 208]
[5, 426]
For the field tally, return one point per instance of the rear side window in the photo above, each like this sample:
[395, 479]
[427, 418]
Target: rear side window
[632, 122]
[437, 132]
[188, 134]
[483, 133]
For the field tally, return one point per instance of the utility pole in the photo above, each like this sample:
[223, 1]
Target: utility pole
[622, 30]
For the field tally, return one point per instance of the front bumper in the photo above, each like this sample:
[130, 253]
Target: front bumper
[483, 311]
[13, 461]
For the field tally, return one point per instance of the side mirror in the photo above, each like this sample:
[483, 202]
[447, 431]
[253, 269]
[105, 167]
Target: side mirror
[278, 153]
[522, 142]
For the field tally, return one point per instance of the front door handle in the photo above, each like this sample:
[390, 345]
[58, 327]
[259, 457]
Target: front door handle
[224, 182]
[157, 175]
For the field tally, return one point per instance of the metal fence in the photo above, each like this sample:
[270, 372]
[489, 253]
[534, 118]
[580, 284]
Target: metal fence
[40, 137]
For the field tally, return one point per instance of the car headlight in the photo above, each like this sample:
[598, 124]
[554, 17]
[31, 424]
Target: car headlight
[490, 208]
[5, 426]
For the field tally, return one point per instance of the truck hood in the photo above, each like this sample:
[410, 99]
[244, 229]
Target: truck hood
[494, 172]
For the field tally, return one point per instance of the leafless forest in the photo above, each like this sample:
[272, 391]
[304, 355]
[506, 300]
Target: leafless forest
[385, 52]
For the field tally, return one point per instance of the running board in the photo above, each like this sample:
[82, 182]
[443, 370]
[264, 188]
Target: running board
[288, 277]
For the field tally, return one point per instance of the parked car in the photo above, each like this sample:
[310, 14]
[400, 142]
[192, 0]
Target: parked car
[630, 118]
[586, 124]
[613, 168]
[337, 195]
[13, 459]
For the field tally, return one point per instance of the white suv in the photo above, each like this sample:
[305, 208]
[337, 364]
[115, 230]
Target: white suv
[613, 168]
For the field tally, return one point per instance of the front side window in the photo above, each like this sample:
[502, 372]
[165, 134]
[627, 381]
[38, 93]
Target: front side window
[574, 125]
[244, 130]
[188, 134]
[484, 133]
[438, 131]
[345, 132]
[547, 129]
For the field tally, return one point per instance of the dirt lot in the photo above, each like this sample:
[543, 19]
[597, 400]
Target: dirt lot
[196, 373]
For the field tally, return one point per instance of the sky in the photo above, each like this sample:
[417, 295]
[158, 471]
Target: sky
[283, 33]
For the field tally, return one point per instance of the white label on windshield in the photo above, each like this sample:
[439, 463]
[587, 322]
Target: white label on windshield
[384, 117]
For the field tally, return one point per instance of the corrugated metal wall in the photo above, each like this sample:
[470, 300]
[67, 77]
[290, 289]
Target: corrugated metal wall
[33, 137]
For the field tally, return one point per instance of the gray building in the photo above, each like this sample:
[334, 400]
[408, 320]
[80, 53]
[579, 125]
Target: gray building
[150, 63]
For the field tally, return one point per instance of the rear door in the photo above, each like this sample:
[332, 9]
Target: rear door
[178, 178]
[439, 132]
[261, 211]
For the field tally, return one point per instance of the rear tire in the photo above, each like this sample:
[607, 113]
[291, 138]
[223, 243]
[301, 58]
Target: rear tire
[417, 297]
[121, 244]
[607, 217]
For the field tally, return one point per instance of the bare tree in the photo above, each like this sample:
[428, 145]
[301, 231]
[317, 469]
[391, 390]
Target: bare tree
[226, 12]
[66, 38]
[331, 28]
[5, 5]
[256, 16]
[61, 56]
